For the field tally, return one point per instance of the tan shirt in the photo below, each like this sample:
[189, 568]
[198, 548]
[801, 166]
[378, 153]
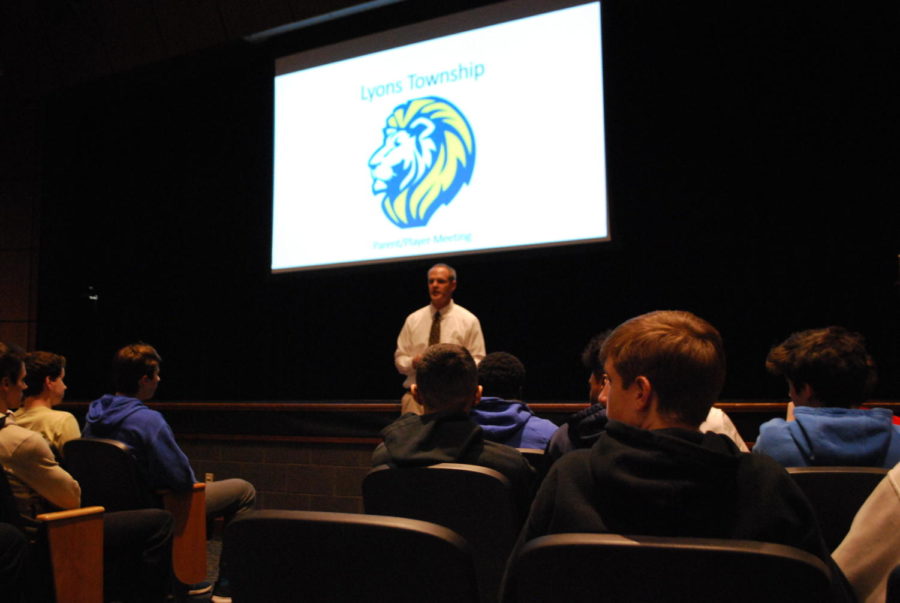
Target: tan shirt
[34, 475]
[57, 426]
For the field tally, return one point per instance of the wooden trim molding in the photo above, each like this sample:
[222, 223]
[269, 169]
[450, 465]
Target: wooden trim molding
[359, 422]
[382, 406]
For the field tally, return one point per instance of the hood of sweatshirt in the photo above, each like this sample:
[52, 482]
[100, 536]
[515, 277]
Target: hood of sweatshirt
[501, 419]
[105, 414]
[433, 438]
[842, 436]
[665, 482]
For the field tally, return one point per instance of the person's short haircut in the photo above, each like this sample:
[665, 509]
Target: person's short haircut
[131, 363]
[681, 355]
[833, 361]
[446, 377]
[449, 268]
[38, 366]
[591, 358]
[11, 359]
[502, 375]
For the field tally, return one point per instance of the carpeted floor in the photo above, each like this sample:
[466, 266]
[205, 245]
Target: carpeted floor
[213, 551]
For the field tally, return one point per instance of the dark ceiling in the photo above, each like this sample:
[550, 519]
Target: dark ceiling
[46, 45]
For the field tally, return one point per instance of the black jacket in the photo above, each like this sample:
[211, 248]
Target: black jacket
[674, 482]
[421, 440]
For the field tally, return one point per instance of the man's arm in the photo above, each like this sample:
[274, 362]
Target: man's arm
[34, 465]
[407, 352]
[475, 342]
[167, 465]
[872, 547]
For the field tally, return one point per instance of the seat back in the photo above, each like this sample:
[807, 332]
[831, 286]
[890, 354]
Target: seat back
[108, 475]
[582, 568]
[836, 494]
[287, 556]
[534, 456]
[68, 545]
[475, 502]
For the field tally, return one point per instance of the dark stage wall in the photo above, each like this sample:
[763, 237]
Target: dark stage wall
[752, 171]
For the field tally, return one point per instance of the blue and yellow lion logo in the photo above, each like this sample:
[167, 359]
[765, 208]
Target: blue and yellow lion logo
[427, 155]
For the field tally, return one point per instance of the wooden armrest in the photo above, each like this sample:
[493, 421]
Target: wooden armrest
[70, 514]
[189, 539]
[75, 540]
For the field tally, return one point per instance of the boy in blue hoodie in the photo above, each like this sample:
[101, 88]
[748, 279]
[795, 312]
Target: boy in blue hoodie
[124, 417]
[502, 415]
[829, 374]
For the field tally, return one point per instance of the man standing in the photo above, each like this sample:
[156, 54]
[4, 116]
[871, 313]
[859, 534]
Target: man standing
[441, 321]
[126, 418]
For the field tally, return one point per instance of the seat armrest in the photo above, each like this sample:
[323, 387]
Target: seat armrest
[75, 541]
[189, 538]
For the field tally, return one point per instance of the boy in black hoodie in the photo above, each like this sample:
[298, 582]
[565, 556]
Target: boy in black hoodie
[447, 386]
[652, 472]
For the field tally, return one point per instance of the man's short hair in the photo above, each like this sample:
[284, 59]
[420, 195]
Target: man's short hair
[681, 355]
[40, 365]
[131, 363]
[446, 377]
[833, 361]
[502, 375]
[449, 268]
[590, 356]
[11, 359]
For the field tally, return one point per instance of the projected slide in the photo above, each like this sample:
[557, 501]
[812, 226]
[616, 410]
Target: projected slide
[490, 138]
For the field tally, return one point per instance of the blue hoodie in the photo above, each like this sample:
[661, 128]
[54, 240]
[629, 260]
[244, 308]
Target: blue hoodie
[511, 422]
[832, 437]
[130, 421]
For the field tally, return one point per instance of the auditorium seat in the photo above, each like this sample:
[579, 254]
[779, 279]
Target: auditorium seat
[585, 568]
[534, 456]
[314, 557]
[836, 494]
[473, 501]
[108, 475]
[69, 542]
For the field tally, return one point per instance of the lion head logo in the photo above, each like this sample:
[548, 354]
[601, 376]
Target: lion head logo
[427, 155]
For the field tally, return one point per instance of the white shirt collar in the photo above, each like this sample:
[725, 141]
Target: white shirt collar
[444, 311]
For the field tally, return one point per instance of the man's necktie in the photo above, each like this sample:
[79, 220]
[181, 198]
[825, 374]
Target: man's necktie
[435, 335]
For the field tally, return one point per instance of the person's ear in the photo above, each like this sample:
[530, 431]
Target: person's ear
[808, 394]
[414, 390]
[643, 394]
[805, 395]
[476, 398]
